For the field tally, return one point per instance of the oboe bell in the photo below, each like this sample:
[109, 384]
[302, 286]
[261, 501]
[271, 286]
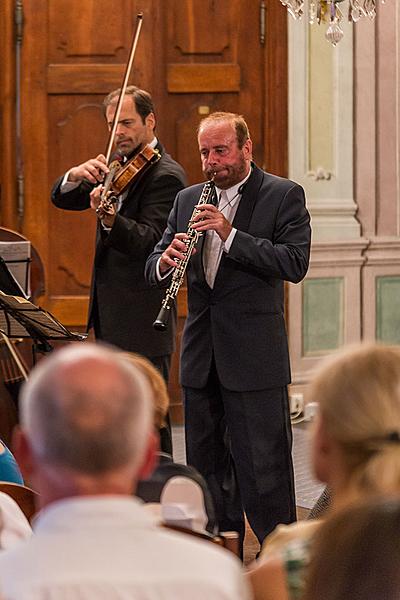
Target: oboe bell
[162, 318]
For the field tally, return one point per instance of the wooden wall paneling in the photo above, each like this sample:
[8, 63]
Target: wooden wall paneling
[83, 31]
[75, 54]
[214, 61]
[276, 95]
[79, 132]
[35, 129]
[8, 186]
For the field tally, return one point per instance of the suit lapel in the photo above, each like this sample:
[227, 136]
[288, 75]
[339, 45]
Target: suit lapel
[244, 212]
[248, 200]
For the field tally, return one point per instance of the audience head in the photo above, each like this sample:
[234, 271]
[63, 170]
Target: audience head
[86, 418]
[157, 384]
[356, 554]
[357, 438]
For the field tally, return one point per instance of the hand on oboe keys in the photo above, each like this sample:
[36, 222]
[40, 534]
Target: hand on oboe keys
[93, 170]
[209, 217]
[176, 250]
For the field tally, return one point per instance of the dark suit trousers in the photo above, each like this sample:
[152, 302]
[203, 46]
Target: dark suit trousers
[162, 363]
[241, 443]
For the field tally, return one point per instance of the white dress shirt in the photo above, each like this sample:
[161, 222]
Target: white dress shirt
[228, 203]
[109, 548]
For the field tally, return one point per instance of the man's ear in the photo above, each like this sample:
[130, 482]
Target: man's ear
[149, 460]
[23, 453]
[150, 121]
[247, 150]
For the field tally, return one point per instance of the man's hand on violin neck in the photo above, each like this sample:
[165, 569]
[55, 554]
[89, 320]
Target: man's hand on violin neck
[107, 217]
[93, 170]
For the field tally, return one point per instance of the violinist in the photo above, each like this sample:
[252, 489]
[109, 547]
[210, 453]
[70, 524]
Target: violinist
[122, 304]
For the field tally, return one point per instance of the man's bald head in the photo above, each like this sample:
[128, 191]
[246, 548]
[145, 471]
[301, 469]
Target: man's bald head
[87, 410]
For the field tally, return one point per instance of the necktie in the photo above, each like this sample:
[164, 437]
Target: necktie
[213, 248]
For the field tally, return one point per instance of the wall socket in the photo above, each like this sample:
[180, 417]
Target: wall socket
[296, 404]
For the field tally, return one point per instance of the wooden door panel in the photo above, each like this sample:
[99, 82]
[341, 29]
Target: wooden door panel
[82, 57]
[214, 61]
[200, 27]
[90, 30]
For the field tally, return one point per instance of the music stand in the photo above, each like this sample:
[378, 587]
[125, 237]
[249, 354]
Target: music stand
[8, 283]
[20, 318]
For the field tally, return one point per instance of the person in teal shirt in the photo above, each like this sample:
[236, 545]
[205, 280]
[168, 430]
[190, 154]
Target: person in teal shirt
[9, 470]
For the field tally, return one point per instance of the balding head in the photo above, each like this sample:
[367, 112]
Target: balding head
[86, 410]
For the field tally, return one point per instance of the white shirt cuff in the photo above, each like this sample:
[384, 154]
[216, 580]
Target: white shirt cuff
[67, 186]
[159, 276]
[229, 240]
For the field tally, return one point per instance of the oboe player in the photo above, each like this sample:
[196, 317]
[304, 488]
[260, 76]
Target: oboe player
[235, 364]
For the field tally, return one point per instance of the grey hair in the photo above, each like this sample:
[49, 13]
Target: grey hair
[88, 423]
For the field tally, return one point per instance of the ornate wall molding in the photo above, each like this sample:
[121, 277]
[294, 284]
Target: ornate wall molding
[321, 128]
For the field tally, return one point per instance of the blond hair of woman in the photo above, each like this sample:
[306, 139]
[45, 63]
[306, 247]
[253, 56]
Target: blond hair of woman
[356, 451]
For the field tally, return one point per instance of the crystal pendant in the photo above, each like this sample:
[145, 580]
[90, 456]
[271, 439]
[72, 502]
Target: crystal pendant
[334, 33]
[328, 11]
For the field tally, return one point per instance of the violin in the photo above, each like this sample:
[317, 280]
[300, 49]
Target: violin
[121, 176]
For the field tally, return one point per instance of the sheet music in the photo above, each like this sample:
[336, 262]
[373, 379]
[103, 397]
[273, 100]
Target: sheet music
[11, 327]
[17, 257]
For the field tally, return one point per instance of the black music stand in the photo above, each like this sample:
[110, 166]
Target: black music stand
[20, 318]
[8, 283]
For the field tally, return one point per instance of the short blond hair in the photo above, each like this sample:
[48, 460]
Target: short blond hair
[358, 391]
[157, 385]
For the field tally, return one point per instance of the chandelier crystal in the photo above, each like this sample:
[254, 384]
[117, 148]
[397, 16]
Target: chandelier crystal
[331, 12]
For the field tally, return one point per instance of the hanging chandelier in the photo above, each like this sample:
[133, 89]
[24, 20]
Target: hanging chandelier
[331, 12]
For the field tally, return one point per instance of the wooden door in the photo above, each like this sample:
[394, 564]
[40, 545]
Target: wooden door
[194, 56]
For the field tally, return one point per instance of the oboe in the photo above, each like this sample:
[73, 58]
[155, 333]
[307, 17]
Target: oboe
[179, 271]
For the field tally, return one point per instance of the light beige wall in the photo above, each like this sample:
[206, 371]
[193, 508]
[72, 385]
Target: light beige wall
[354, 193]
[377, 173]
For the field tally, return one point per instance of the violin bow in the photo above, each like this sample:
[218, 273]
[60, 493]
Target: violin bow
[124, 86]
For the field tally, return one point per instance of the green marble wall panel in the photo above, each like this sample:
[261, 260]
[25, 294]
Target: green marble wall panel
[388, 309]
[323, 315]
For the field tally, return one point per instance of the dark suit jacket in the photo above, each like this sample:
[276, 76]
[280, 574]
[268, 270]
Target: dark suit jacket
[241, 320]
[126, 304]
